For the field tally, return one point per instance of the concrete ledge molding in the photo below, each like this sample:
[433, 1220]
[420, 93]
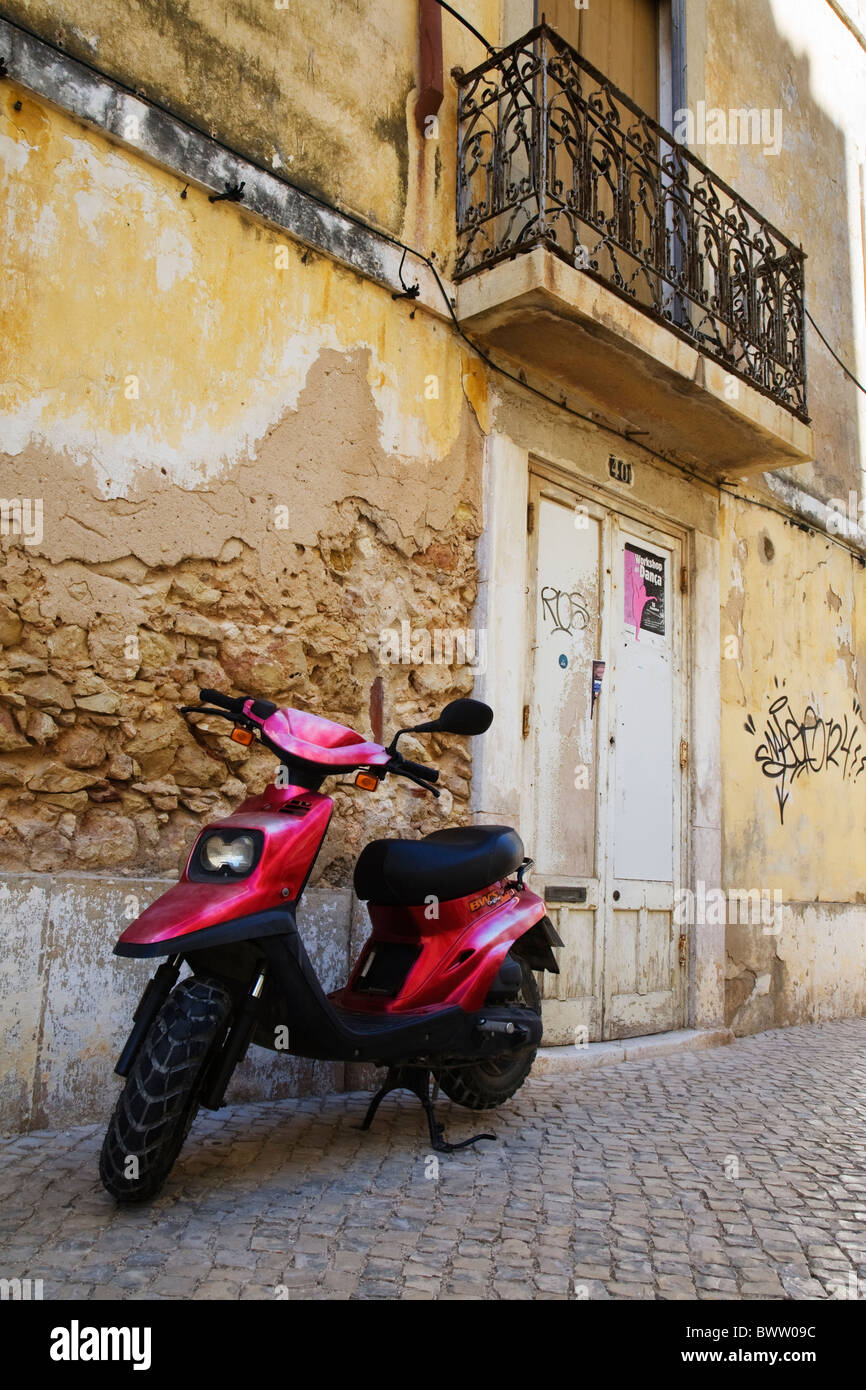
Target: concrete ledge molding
[154, 133]
[555, 319]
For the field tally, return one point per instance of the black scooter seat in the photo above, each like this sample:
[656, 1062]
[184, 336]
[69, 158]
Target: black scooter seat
[446, 864]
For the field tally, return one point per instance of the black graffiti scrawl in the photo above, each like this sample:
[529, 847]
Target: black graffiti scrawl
[567, 612]
[796, 745]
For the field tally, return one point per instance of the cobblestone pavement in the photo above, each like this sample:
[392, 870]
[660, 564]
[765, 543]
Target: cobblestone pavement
[736, 1172]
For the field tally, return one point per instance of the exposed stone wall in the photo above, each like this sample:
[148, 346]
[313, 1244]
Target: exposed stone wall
[98, 768]
[249, 464]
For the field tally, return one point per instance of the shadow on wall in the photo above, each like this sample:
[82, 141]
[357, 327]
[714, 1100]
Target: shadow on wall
[804, 190]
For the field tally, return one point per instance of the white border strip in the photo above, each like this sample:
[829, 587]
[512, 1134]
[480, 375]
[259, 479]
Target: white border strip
[831, 520]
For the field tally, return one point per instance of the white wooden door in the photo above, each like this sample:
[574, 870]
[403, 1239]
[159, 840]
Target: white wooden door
[644, 978]
[568, 562]
[604, 774]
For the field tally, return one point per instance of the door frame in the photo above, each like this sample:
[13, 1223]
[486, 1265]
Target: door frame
[659, 495]
[612, 512]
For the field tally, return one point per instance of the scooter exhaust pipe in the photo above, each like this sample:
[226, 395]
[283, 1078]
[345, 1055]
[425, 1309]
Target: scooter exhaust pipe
[495, 1025]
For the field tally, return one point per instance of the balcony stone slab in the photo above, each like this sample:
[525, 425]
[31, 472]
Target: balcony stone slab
[563, 326]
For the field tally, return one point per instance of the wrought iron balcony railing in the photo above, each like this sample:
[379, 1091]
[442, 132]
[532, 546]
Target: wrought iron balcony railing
[551, 153]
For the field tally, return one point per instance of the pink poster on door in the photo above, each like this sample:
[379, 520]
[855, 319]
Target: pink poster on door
[644, 591]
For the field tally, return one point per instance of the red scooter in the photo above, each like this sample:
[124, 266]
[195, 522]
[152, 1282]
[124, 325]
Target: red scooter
[443, 986]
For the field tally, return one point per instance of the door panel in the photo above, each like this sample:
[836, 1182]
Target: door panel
[619, 37]
[566, 549]
[567, 615]
[643, 980]
[643, 736]
[572, 999]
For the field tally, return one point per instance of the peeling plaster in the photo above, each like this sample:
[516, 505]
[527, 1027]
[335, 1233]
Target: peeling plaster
[14, 153]
[220, 340]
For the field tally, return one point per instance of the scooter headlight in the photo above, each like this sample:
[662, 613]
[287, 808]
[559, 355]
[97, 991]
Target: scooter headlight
[230, 855]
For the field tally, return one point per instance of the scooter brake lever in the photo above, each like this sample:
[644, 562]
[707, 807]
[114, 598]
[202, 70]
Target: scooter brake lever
[419, 781]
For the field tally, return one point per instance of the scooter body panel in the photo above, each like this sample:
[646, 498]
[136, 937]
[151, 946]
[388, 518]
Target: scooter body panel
[300, 734]
[452, 958]
[292, 822]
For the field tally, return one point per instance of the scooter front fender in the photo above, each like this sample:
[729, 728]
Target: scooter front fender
[275, 921]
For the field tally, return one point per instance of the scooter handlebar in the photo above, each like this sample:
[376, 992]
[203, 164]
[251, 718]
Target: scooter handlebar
[429, 774]
[229, 702]
[415, 772]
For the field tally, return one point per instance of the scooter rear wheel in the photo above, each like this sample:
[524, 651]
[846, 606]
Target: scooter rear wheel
[485, 1084]
[159, 1102]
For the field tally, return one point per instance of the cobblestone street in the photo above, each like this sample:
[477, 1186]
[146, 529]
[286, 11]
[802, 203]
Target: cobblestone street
[736, 1172]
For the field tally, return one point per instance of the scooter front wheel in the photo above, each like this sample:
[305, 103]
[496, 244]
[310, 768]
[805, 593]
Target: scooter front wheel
[159, 1102]
[491, 1081]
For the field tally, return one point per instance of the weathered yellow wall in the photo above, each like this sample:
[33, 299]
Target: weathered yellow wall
[791, 631]
[802, 61]
[793, 769]
[264, 382]
[794, 604]
[267, 383]
[322, 93]
[251, 462]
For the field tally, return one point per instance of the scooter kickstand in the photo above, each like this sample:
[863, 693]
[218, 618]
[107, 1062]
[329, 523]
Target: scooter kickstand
[376, 1102]
[417, 1080]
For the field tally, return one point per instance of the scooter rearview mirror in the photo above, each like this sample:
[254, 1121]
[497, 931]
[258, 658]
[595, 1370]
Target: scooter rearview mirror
[460, 717]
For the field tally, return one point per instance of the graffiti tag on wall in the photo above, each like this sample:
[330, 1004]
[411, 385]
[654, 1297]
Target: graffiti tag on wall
[567, 612]
[794, 746]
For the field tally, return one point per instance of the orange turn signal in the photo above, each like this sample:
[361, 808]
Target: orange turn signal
[244, 736]
[365, 780]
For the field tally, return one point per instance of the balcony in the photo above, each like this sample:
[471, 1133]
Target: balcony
[597, 253]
